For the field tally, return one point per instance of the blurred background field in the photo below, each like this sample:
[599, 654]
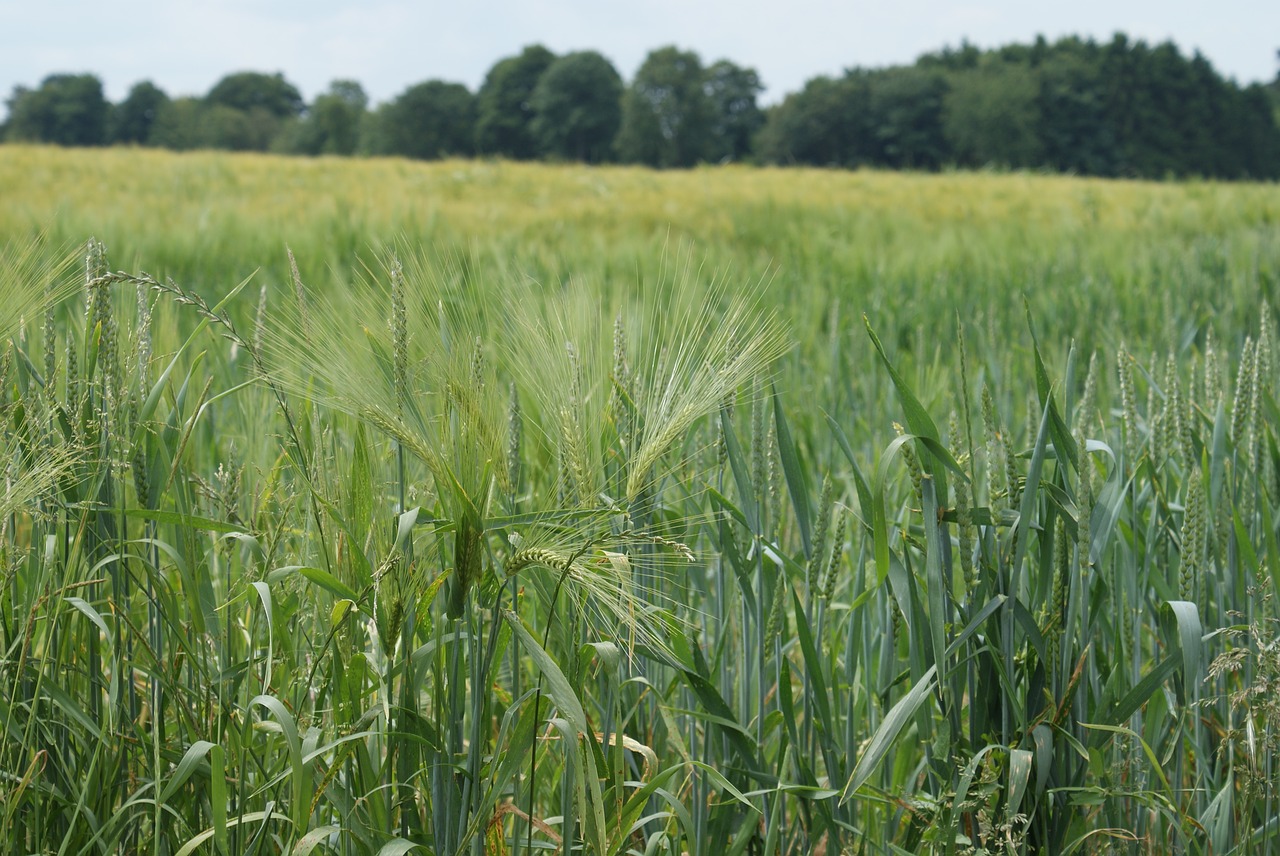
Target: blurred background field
[1115, 252]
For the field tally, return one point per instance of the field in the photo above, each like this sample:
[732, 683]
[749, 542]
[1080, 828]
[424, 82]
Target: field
[370, 506]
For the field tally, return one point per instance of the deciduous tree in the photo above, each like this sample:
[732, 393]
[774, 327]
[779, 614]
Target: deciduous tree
[504, 105]
[577, 108]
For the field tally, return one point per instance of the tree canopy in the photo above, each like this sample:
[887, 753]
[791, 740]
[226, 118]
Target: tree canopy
[249, 90]
[735, 116]
[67, 109]
[504, 104]
[666, 114]
[577, 108]
[430, 120]
[1116, 108]
[132, 119]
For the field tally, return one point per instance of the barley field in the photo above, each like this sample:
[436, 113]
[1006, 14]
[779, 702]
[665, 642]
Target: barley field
[380, 507]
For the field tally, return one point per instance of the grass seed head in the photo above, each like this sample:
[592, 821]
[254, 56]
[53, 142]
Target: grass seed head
[837, 552]
[1128, 406]
[817, 559]
[1086, 411]
[1193, 537]
[1243, 400]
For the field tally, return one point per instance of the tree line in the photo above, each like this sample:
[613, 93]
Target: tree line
[1121, 108]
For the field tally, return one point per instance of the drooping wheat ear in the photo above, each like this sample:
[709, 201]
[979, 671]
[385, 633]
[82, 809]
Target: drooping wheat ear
[680, 548]
[1194, 531]
[1243, 399]
[530, 556]
[964, 503]
[991, 442]
[1086, 412]
[912, 462]
[1128, 406]
[1084, 505]
[818, 554]
[837, 551]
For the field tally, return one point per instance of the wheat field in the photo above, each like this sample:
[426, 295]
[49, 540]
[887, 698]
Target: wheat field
[371, 506]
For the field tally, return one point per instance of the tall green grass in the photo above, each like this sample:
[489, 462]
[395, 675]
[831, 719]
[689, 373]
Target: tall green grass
[448, 552]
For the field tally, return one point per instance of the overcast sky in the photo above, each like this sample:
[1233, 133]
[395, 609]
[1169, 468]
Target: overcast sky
[387, 45]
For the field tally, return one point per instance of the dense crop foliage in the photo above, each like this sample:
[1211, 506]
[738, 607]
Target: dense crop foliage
[900, 514]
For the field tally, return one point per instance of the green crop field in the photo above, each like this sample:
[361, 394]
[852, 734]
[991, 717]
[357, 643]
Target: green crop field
[380, 507]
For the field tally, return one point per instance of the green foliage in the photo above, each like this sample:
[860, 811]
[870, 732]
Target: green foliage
[504, 104]
[1074, 132]
[906, 117]
[1120, 109]
[666, 112]
[132, 119]
[735, 116]
[177, 125]
[427, 121]
[826, 123]
[991, 116]
[67, 109]
[248, 91]
[332, 124]
[577, 108]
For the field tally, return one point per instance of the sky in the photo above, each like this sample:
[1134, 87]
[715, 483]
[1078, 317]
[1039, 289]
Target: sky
[387, 45]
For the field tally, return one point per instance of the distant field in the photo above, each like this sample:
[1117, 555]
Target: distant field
[569, 509]
[879, 241]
